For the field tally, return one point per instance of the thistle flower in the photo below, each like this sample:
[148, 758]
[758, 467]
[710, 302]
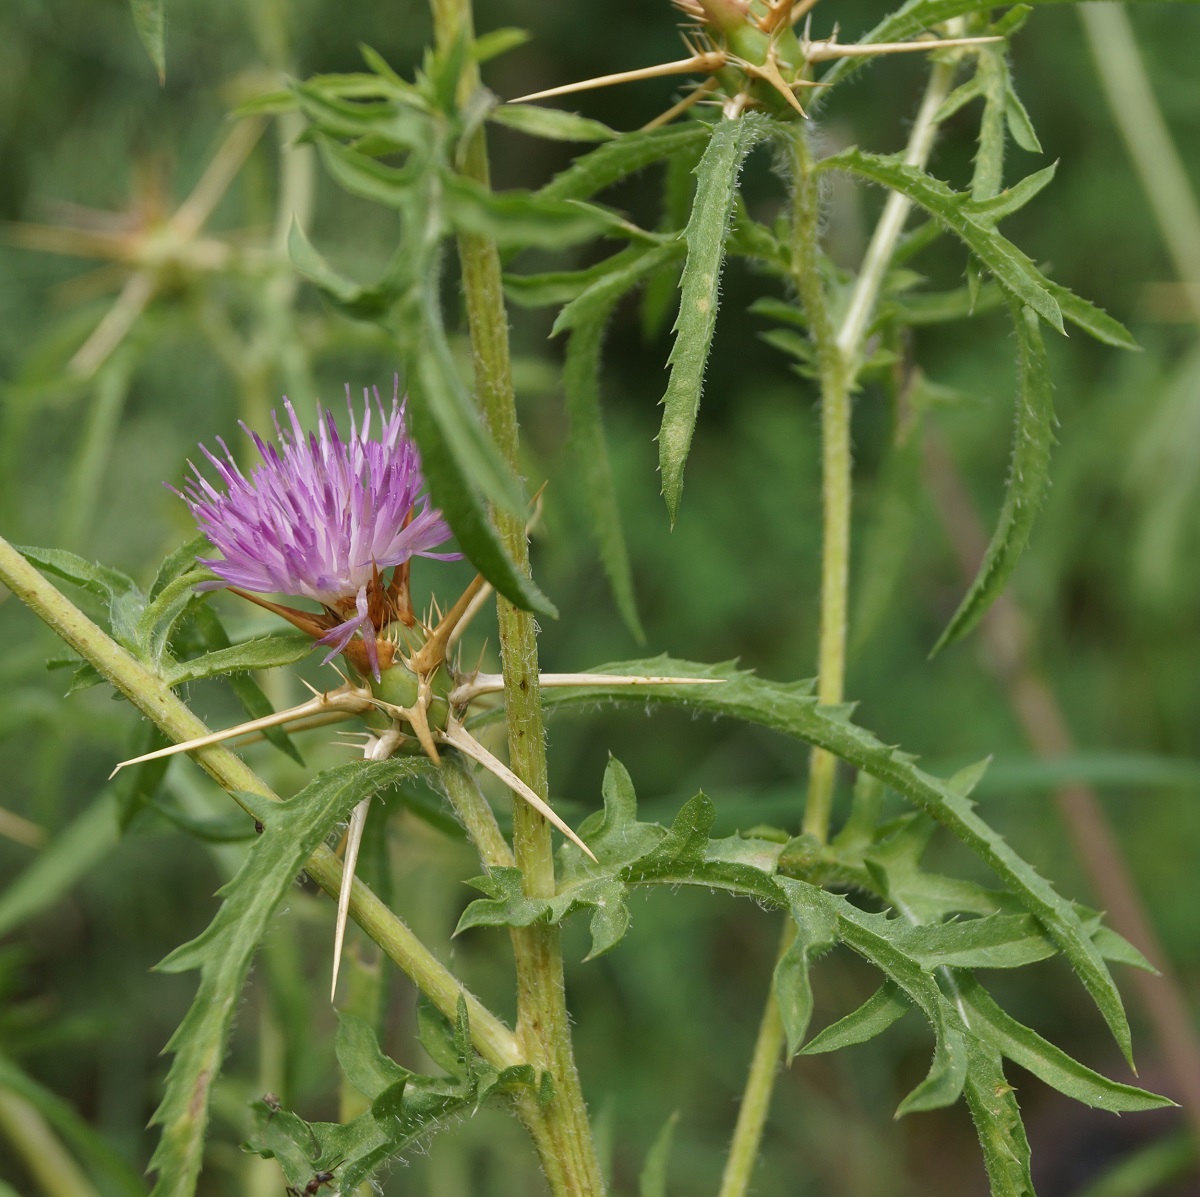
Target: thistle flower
[319, 518]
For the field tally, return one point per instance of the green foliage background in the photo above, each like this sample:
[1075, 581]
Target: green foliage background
[1109, 583]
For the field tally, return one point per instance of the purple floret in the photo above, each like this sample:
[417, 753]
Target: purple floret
[319, 517]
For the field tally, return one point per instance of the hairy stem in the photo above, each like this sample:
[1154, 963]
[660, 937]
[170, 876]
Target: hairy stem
[475, 814]
[155, 699]
[838, 356]
[559, 1128]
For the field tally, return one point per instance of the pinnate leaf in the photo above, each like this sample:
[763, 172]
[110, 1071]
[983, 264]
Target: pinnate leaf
[791, 709]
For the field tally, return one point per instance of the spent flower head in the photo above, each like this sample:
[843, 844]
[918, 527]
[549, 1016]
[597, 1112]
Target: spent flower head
[320, 517]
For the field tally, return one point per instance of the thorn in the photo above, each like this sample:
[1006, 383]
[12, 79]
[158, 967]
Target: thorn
[826, 50]
[707, 62]
[351, 701]
[458, 736]
[358, 821]
[433, 652]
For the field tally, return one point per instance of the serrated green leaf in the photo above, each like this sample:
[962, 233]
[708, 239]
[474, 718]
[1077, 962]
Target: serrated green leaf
[551, 123]
[678, 188]
[1118, 949]
[884, 1007]
[265, 652]
[706, 234]
[652, 1182]
[224, 951]
[1028, 478]
[1033, 1053]
[1000, 204]
[792, 710]
[1012, 269]
[100, 580]
[151, 26]
[362, 1062]
[174, 602]
[181, 561]
[988, 175]
[1093, 320]
[1019, 124]
[617, 160]
[872, 937]
[997, 1117]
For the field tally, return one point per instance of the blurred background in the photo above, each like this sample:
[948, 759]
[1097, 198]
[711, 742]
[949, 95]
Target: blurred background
[101, 404]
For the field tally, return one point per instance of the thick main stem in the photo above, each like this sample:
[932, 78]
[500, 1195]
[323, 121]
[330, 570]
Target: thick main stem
[559, 1128]
[838, 359]
[155, 699]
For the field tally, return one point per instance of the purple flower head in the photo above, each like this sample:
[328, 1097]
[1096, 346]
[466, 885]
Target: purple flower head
[320, 518]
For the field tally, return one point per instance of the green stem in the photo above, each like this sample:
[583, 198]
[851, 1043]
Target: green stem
[473, 811]
[155, 699]
[838, 359]
[560, 1127]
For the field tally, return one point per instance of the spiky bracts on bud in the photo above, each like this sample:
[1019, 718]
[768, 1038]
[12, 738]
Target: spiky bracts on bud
[752, 53]
[320, 518]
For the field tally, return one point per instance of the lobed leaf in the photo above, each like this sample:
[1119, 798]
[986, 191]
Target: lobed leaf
[792, 710]
[706, 234]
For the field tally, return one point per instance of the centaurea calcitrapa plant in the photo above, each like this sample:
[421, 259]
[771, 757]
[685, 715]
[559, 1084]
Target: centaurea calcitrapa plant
[324, 516]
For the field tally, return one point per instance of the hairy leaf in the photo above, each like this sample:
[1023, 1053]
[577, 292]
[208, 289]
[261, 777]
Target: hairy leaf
[1015, 272]
[625, 156]
[1028, 479]
[792, 710]
[265, 652]
[884, 1007]
[1047, 1062]
[706, 234]
[224, 951]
